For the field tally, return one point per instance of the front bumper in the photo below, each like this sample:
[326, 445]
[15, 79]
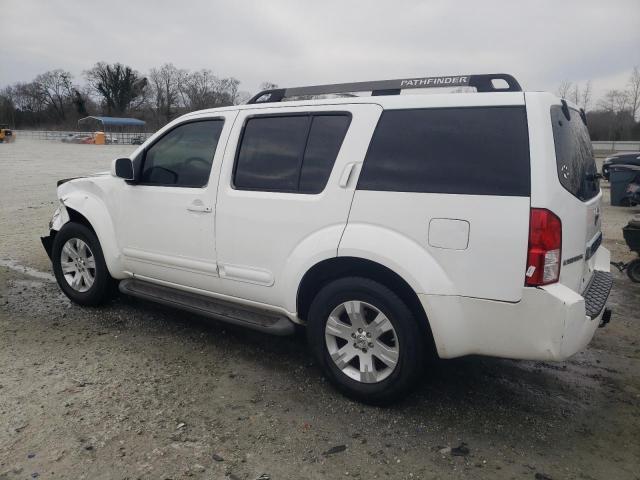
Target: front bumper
[47, 242]
[548, 323]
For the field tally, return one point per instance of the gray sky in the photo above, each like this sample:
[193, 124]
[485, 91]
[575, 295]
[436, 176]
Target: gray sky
[291, 43]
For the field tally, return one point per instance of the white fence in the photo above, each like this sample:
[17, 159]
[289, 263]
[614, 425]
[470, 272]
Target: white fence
[58, 135]
[127, 137]
[622, 146]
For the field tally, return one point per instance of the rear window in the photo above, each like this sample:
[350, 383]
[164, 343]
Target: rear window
[574, 155]
[476, 150]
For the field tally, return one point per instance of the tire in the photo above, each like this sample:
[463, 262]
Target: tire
[633, 270]
[86, 280]
[356, 301]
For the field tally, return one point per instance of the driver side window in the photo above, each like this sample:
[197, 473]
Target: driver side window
[183, 157]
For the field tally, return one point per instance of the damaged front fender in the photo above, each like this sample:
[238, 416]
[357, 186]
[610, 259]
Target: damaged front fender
[59, 218]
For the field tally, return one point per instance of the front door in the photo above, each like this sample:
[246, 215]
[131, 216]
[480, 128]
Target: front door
[168, 213]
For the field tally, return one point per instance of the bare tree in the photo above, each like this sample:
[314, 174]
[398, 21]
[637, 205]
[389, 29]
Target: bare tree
[616, 104]
[228, 87]
[28, 97]
[574, 93]
[56, 89]
[614, 101]
[243, 97]
[118, 86]
[166, 83]
[585, 97]
[571, 91]
[564, 89]
[7, 105]
[622, 101]
[633, 92]
[268, 86]
[199, 90]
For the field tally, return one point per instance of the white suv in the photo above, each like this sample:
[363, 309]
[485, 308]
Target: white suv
[390, 225]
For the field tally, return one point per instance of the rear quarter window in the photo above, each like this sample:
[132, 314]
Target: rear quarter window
[474, 150]
[574, 155]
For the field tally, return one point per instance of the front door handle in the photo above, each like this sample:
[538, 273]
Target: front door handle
[198, 206]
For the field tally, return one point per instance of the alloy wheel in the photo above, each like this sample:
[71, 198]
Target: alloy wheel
[78, 264]
[362, 342]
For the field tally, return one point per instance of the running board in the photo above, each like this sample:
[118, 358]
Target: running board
[263, 321]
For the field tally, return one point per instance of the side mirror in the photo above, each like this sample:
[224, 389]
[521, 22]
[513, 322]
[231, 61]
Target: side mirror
[122, 168]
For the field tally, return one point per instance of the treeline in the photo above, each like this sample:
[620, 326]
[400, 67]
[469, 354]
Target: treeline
[615, 116]
[55, 100]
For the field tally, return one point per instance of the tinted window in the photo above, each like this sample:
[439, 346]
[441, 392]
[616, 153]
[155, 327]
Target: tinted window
[183, 157]
[479, 150]
[325, 139]
[289, 153]
[271, 153]
[574, 155]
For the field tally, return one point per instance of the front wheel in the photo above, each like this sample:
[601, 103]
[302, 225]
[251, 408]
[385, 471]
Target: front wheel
[366, 339]
[79, 266]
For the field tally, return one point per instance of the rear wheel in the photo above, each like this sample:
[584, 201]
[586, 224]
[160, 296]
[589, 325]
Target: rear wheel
[633, 270]
[366, 340]
[79, 266]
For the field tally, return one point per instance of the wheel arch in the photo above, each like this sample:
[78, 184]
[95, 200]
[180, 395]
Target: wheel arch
[334, 268]
[91, 212]
[76, 217]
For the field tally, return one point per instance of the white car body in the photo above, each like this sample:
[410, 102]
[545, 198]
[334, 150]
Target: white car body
[463, 256]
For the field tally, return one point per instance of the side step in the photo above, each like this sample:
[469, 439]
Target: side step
[263, 321]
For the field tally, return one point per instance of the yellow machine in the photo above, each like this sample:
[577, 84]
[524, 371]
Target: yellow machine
[6, 134]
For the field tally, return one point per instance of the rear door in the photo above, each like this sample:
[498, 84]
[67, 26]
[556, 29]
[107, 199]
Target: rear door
[287, 182]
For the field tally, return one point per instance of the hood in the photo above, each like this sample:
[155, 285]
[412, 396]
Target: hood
[97, 174]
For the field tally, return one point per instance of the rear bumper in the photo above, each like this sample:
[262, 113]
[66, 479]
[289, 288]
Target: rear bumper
[548, 323]
[597, 292]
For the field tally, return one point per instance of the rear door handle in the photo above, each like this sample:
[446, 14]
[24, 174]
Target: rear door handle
[198, 206]
[346, 175]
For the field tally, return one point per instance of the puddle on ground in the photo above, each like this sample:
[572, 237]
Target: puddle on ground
[32, 272]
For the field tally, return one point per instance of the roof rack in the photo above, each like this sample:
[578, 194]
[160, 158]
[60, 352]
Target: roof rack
[482, 83]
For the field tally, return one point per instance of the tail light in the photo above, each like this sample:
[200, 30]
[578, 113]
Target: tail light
[545, 243]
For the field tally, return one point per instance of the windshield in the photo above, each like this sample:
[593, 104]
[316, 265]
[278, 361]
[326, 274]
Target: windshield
[574, 156]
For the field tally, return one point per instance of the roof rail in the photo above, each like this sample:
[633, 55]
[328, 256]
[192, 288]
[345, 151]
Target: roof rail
[482, 83]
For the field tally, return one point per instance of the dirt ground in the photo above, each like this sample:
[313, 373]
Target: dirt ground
[133, 390]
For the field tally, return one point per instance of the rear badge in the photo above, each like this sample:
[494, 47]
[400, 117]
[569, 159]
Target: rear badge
[572, 260]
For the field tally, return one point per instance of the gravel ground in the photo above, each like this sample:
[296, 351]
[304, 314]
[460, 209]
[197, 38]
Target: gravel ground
[133, 390]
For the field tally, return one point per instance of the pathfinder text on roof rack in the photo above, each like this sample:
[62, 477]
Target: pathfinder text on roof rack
[482, 83]
[458, 81]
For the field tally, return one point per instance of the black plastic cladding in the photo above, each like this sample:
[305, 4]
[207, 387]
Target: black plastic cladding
[482, 83]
